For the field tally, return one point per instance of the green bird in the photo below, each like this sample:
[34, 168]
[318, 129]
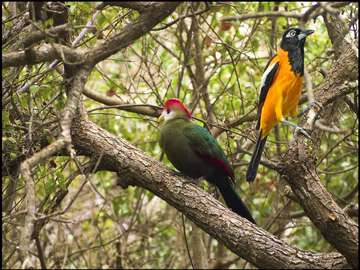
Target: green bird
[195, 152]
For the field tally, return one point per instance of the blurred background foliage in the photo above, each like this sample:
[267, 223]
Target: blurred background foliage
[106, 226]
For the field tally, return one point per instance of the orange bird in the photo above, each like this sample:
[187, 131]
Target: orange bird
[280, 90]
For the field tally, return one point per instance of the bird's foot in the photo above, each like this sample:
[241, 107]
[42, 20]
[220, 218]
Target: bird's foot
[302, 131]
[188, 180]
[297, 129]
[311, 105]
[177, 173]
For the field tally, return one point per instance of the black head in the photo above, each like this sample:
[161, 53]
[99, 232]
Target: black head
[294, 38]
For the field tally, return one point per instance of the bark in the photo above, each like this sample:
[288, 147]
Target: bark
[299, 164]
[151, 16]
[245, 239]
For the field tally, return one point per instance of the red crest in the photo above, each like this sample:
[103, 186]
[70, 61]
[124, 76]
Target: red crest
[174, 102]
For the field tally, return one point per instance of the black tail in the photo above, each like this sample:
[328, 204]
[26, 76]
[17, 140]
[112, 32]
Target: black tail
[255, 159]
[232, 199]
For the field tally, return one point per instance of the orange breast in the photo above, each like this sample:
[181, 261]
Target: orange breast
[283, 96]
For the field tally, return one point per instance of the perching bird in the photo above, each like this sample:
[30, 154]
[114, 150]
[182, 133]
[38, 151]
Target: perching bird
[196, 153]
[280, 90]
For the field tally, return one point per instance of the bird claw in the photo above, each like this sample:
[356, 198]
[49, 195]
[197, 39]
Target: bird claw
[311, 105]
[192, 181]
[302, 130]
[297, 128]
[188, 180]
[178, 173]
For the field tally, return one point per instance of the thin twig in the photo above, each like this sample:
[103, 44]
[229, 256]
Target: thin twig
[40, 253]
[186, 241]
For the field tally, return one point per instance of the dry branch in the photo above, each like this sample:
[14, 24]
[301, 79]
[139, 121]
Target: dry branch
[43, 53]
[115, 102]
[150, 17]
[136, 168]
[246, 240]
[299, 163]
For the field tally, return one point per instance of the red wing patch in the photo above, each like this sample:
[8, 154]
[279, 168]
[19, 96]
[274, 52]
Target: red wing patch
[219, 164]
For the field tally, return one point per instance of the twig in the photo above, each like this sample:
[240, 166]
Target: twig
[326, 128]
[87, 28]
[262, 14]
[27, 85]
[186, 241]
[40, 253]
[201, 82]
[146, 109]
[30, 198]
[208, 6]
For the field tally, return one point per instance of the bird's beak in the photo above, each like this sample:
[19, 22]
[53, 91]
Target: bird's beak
[161, 118]
[305, 33]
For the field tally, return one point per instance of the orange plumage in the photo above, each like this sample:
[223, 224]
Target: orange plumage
[283, 95]
[280, 90]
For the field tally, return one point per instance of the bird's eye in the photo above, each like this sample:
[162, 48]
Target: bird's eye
[291, 34]
[167, 110]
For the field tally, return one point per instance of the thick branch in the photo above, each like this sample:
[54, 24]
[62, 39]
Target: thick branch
[37, 36]
[74, 96]
[246, 240]
[43, 53]
[300, 165]
[151, 16]
[64, 139]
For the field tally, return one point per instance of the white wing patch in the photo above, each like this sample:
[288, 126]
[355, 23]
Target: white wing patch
[266, 74]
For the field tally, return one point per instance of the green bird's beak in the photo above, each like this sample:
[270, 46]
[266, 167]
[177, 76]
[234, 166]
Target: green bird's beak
[161, 119]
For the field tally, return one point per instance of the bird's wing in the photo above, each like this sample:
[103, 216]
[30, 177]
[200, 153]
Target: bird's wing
[207, 148]
[266, 80]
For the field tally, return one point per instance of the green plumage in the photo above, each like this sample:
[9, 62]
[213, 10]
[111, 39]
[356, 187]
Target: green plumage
[195, 152]
[184, 143]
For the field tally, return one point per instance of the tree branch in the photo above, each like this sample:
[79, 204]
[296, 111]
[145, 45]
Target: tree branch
[246, 240]
[270, 14]
[139, 6]
[64, 139]
[299, 164]
[151, 16]
[37, 36]
[307, 15]
[43, 53]
[115, 102]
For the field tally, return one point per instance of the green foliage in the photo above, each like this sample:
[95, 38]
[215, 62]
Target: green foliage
[156, 67]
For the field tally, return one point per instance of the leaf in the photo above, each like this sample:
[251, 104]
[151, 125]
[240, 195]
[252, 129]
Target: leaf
[208, 41]
[225, 26]
[110, 93]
